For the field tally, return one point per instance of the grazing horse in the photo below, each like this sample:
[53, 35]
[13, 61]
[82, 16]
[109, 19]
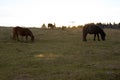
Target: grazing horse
[51, 26]
[93, 29]
[19, 31]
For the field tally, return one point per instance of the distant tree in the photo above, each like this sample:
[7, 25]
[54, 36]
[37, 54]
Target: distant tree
[54, 25]
[119, 25]
[73, 26]
[101, 25]
[80, 26]
[110, 25]
[63, 27]
[43, 26]
[114, 25]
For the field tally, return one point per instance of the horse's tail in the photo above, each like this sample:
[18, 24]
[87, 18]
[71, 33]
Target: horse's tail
[14, 33]
[32, 36]
[84, 33]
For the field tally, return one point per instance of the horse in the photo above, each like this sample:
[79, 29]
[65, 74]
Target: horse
[51, 26]
[93, 29]
[24, 32]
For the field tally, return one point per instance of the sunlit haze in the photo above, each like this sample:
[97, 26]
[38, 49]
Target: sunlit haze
[34, 13]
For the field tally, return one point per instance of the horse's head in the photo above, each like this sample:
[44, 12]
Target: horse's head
[32, 38]
[103, 35]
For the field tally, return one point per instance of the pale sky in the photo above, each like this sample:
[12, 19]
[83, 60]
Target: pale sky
[34, 13]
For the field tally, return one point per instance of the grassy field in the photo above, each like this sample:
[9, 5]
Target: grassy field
[60, 55]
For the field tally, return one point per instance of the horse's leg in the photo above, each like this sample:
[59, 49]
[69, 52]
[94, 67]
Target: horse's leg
[22, 38]
[32, 38]
[84, 36]
[98, 37]
[94, 37]
[14, 36]
[26, 37]
[17, 37]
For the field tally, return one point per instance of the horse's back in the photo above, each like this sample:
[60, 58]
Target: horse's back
[92, 29]
[21, 31]
[27, 31]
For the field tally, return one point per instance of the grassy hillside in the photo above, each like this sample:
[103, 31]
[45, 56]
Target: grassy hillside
[60, 55]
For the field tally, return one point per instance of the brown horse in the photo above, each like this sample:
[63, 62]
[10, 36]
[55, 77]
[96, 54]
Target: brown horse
[93, 29]
[19, 31]
[51, 26]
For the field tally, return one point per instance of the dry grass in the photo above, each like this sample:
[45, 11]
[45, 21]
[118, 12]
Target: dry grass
[60, 55]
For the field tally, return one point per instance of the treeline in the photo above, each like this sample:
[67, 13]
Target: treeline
[106, 25]
[109, 25]
[102, 25]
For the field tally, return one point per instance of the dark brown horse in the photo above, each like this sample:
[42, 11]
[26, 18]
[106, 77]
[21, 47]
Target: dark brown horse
[51, 26]
[93, 29]
[24, 32]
